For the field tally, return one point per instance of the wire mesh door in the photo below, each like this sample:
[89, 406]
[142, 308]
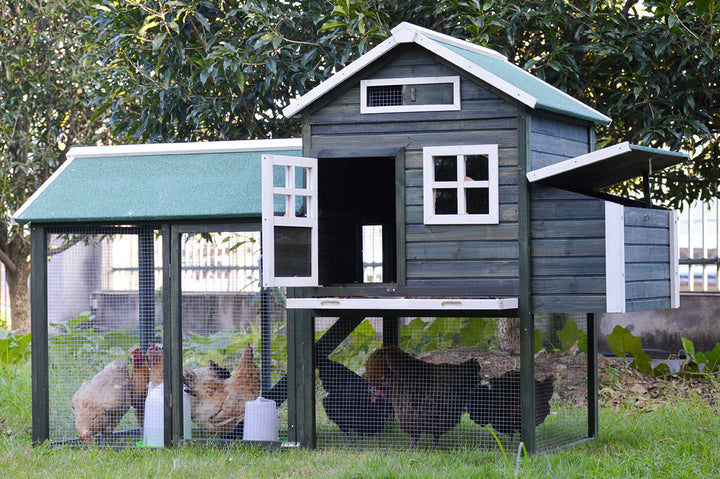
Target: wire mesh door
[234, 346]
[452, 383]
[102, 285]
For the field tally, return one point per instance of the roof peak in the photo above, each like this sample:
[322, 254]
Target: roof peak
[486, 65]
[406, 32]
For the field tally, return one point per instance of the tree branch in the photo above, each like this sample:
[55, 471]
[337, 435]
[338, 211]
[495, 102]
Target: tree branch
[72, 241]
[9, 264]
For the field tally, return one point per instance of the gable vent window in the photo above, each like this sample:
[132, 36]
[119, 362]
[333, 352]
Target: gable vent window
[392, 95]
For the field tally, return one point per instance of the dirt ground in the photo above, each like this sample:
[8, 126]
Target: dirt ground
[618, 384]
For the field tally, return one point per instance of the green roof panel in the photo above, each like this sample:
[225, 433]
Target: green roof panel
[152, 187]
[548, 97]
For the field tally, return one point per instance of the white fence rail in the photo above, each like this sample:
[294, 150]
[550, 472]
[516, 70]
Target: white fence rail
[699, 238]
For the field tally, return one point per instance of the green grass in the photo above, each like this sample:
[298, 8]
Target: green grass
[679, 438]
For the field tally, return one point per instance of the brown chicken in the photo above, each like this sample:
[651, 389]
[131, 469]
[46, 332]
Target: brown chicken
[499, 403]
[100, 404]
[155, 357]
[217, 404]
[140, 378]
[206, 389]
[243, 385]
[427, 398]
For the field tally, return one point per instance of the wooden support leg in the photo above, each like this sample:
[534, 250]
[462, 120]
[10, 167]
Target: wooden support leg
[592, 391]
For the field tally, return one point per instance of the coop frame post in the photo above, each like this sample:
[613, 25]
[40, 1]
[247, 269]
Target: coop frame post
[301, 374]
[146, 286]
[592, 391]
[39, 331]
[265, 339]
[527, 320]
[390, 330]
[172, 337]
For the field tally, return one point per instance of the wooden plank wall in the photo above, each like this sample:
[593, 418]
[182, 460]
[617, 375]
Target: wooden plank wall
[568, 251]
[555, 140]
[647, 259]
[477, 260]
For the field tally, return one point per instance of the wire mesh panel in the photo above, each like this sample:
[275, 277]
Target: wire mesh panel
[452, 383]
[234, 347]
[100, 310]
[562, 346]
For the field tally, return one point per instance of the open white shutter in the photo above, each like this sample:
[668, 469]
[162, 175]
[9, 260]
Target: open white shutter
[289, 221]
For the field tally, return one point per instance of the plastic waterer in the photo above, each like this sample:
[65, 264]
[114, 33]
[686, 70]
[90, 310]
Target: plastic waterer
[261, 420]
[154, 427]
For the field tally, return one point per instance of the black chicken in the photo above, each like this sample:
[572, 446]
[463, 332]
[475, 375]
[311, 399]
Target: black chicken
[499, 403]
[349, 402]
[427, 398]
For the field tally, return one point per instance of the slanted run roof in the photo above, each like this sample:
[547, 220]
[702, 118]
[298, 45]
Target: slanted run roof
[482, 63]
[131, 183]
[606, 167]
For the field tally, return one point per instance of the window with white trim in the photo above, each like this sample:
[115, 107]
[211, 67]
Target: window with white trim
[460, 184]
[392, 95]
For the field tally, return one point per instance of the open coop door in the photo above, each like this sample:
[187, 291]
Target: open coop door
[289, 221]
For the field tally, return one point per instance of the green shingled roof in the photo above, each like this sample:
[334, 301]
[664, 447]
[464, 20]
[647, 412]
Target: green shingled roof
[147, 183]
[548, 97]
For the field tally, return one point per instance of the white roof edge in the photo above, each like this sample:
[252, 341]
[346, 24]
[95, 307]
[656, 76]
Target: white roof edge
[184, 148]
[448, 39]
[408, 33]
[577, 162]
[39, 191]
[477, 71]
[340, 77]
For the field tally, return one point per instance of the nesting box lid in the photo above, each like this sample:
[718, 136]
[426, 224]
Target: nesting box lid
[130, 183]
[607, 166]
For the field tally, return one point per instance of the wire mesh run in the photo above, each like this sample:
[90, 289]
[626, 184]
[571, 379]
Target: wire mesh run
[100, 311]
[234, 347]
[106, 366]
[453, 383]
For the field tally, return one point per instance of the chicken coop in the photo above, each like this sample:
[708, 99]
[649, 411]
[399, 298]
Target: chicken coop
[433, 255]
[498, 236]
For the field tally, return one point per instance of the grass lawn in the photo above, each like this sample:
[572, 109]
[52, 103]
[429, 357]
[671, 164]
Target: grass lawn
[672, 438]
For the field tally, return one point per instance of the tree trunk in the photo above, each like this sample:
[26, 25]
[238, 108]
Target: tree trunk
[18, 285]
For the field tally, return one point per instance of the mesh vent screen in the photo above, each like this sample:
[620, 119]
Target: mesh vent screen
[387, 95]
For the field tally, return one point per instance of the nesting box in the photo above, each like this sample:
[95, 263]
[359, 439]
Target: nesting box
[441, 233]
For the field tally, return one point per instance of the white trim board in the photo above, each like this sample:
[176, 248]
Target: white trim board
[195, 148]
[405, 303]
[674, 260]
[614, 257]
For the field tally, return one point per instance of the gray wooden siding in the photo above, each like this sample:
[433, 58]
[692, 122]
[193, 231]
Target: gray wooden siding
[472, 260]
[568, 251]
[647, 259]
[554, 140]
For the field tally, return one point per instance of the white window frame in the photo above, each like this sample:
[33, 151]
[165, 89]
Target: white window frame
[365, 84]
[290, 191]
[430, 184]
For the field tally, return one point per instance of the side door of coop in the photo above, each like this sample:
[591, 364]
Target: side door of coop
[289, 221]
